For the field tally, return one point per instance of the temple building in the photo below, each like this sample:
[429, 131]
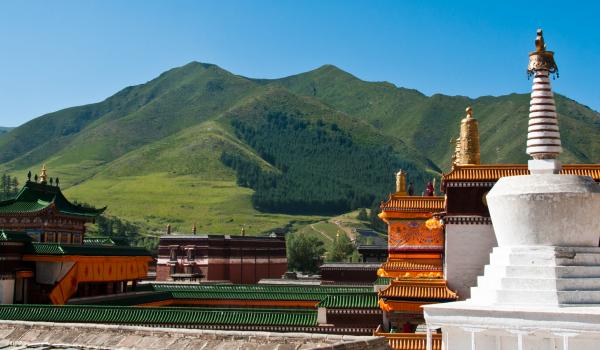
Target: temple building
[237, 259]
[414, 269]
[45, 255]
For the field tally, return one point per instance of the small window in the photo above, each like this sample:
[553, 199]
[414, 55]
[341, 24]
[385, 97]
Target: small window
[65, 238]
[173, 254]
[76, 238]
[191, 254]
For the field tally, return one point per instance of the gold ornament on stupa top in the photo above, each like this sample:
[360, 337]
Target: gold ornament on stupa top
[468, 142]
[540, 59]
[401, 183]
[43, 175]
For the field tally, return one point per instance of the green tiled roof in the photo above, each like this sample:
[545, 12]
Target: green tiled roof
[383, 281]
[14, 236]
[98, 241]
[365, 297]
[351, 301]
[250, 296]
[159, 315]
[254, 288]
[129, 299]
[67, 249]
[34, 197]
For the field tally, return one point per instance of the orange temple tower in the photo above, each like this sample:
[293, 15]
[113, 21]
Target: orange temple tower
[413, 274]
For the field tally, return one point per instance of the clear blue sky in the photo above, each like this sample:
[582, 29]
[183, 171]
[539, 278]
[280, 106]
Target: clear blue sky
[57, 54]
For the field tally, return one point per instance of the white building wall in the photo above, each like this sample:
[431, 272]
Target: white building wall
[456, 338]
[7, 291]
[51, 272]
[467, 251]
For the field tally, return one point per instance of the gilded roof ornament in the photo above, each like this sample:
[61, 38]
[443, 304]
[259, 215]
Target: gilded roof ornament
[401, 183]
[466, 150]
[43, 176]
[541, 59]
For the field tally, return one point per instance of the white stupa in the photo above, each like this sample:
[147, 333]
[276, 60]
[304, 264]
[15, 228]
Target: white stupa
[541, 289]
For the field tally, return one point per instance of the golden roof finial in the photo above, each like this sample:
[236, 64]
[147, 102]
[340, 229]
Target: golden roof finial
[469, 111]
[401, 183]
[194, 228]
[468, 142]
[43, 176]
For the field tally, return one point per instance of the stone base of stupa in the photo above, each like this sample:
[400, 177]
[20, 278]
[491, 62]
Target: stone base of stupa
[530, 297]
[541, 289]
[466, 325]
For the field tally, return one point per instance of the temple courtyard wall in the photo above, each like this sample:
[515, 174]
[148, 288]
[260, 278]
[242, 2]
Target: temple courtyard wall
[99, 336]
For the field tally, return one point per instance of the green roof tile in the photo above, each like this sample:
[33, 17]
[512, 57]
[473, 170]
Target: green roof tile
[14, 236]
[351, 301]
[34, 197]
[86, 250]
[159, 315]
[383, 281]
[266, 288]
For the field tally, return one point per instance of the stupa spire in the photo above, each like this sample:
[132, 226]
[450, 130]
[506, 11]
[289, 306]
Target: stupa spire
[543, 137]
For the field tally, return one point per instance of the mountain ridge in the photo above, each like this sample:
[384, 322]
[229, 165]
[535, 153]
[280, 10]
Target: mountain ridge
[199, 121]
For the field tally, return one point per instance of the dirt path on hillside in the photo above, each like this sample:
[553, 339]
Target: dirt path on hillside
[347, 230]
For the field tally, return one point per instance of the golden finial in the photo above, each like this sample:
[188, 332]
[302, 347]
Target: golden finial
[540, 45]
[43, 176]
[469, 111]
[468, 150]
[401, 183]
[540, 59]
[194, 228]
[243, 231]
[168, 229]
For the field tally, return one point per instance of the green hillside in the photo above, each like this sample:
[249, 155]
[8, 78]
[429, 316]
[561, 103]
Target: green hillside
[201, 145]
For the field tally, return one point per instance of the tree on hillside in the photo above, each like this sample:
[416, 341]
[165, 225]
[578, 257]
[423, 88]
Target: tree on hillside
[375, 222]
[362, 215]
[304, 253]
[9, 186]
[341, 249]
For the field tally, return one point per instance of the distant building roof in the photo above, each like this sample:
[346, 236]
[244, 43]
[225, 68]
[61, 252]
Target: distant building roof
[351, 266]
[35, 198]
[210, 236]
[85, 250]
[414, 203]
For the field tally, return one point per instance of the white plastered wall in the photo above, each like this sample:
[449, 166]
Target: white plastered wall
[467, 251]
[7, 291]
